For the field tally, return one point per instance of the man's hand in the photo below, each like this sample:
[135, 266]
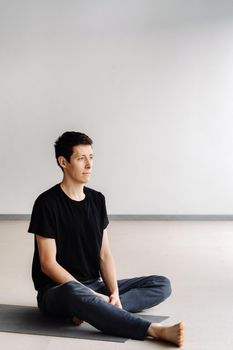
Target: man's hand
[115, 300]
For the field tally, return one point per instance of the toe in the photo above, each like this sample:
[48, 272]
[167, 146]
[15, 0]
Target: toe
[182, 325]
[181, 341]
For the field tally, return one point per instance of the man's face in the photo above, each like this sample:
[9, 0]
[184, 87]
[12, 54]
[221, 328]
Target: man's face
[80, 167]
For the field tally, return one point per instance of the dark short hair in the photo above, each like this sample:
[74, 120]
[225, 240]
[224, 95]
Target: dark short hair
[65, 143]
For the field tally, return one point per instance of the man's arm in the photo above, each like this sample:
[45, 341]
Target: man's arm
[108, 270]
[49, 266]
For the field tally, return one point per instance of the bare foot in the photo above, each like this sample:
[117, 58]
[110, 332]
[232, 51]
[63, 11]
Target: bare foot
[173, 334]
[77, 321]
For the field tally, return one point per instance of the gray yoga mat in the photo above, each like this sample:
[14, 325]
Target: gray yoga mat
[29, 320]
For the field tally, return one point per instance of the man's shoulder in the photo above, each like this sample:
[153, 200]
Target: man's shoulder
[48, 195]
[94, 193]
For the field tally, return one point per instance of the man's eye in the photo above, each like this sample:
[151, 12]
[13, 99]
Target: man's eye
[83, 158]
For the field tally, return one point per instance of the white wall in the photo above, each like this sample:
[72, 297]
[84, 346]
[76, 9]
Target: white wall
[150, 81]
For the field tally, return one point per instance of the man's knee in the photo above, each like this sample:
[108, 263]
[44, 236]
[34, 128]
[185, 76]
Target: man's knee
[68, 289]
[76, 289]
[164, 284]
[166, 287]
[75, 296]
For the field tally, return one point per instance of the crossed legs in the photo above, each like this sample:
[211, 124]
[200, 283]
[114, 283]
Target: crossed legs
[138, 293]
[77, 299]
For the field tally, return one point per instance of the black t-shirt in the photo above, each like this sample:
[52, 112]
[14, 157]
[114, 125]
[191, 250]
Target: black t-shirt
[76, 226]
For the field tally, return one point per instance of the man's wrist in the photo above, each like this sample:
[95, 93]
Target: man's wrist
[115, 292]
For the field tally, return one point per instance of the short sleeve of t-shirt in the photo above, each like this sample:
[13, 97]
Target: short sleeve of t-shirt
[104, 214]
[43, 220]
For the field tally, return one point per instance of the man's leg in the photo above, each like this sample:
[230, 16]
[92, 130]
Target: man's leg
[140, 293]
[75, 299]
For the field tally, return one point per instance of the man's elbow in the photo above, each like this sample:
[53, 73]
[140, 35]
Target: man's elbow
[48, 266]
[106, 257]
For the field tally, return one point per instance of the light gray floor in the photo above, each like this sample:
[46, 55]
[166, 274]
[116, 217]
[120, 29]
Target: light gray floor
[196, 256]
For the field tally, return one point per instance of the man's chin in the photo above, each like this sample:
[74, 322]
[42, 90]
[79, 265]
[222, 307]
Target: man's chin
[81, 182]
[85, 182]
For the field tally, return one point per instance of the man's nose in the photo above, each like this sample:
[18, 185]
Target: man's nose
[88, 164]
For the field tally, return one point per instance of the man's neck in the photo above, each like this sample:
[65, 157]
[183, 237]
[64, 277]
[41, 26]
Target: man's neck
[73, 190]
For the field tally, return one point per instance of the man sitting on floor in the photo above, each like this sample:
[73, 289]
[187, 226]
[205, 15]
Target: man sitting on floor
[73, 268]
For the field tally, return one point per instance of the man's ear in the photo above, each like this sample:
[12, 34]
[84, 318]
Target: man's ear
[62, 161]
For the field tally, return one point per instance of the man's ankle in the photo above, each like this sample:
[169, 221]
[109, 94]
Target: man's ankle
[154, 330]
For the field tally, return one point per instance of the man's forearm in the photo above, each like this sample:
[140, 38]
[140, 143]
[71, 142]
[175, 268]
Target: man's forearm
[108, 273]
[60, 275]
[57, 273]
